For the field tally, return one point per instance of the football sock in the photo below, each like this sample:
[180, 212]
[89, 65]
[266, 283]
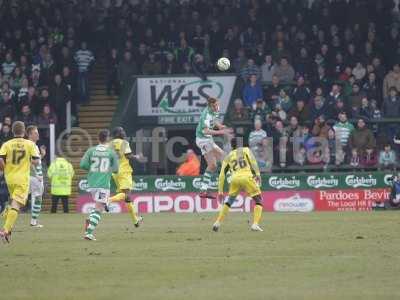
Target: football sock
[11, 218]
[257, 213]
[5, 212]
[222, 213]
[118, 197]
[132, 212]
[94, 219]
[36, 207]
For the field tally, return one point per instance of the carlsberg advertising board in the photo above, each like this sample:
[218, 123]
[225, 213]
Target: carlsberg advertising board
[181, 96]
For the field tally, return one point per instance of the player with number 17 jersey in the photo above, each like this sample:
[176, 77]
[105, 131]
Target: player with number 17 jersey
[18, 153]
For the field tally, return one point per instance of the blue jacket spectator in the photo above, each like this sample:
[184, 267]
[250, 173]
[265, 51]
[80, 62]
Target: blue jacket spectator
[252, 91]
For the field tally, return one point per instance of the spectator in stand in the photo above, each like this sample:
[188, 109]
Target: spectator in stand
[283, 102]
[65, 59]
[151, 66]
[252, 91]
[169, 66]
[5, 134]
[47, 69]
[371, 88]
[387, 158]
[301, 112]
[301, 91]
[184, 53]
[249, 70]
[60, 96]
[392, 80]
[336, 154]
[260, 110]
[365, 110]
[334, 95]
[126, 68]
[318, 107]
[199, 66]
[267, 69]
[356, 96]
[354, 159]
[84, 59]
[343, 129]
[280, 139]
[303, 65]
[26, 116]
[8, 65]
[191, 166]
[112, 72]
[141, 55]
[239, 112]
[258, 143]
[45, 118]
[391, 109]
[321, 79]
[240, 61]
[369, 158]
[320, 128]
[376, 115]
[272, 92]
[7, 107]
[362, 139]
[42, 100]
[284, 71]
[359, 72]
[391, 104]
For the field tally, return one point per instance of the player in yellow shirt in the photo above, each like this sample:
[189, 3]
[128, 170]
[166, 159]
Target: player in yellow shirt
[245, 176]
[16, 157]
[123, 178]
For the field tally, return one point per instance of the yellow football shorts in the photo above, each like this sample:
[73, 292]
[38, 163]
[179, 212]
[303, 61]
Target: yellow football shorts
[123, 181]
[244, 183]
[18, 192]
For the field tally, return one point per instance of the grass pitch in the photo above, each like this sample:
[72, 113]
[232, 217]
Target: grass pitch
[176, 256]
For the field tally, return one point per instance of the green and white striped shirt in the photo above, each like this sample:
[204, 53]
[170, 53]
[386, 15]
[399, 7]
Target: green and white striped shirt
[37, 170]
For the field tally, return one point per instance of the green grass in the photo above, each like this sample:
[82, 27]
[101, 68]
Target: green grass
[176, 256]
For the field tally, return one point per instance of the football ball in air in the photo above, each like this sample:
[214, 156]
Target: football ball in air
[223, 64]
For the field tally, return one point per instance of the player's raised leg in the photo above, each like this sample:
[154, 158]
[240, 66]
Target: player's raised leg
[123, 183]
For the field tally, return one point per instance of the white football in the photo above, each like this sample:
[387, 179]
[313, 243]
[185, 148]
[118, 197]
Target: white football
[223, 64]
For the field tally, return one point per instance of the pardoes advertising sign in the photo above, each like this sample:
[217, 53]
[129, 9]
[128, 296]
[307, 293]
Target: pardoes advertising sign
[181, 97]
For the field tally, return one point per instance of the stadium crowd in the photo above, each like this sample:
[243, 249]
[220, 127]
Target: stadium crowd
[44, 62]
[326, 69]
[308, 68]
